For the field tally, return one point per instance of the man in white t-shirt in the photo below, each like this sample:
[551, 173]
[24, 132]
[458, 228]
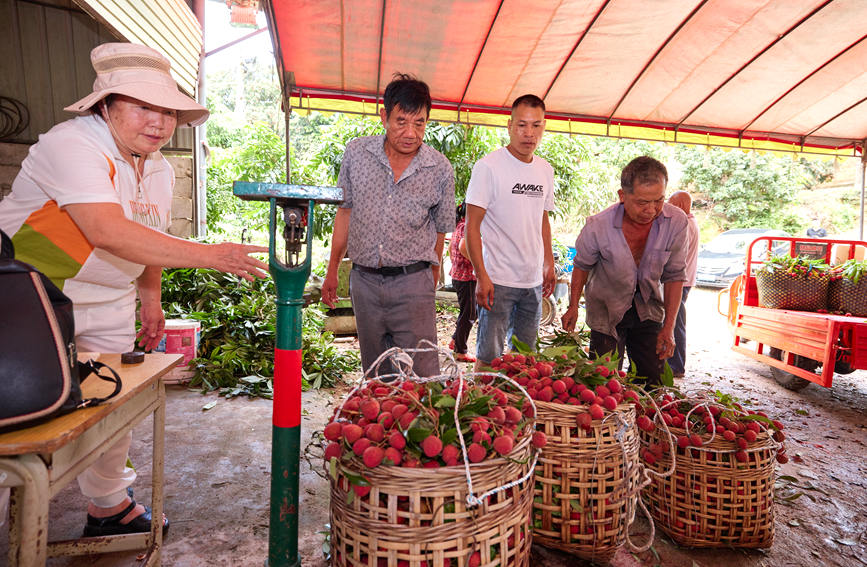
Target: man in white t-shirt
[508, 236]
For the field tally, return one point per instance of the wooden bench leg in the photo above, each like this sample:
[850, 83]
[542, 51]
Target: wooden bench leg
[158, 460]
[27, 476]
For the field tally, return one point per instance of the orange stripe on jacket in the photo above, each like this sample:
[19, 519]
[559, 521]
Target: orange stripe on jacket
[57, 226]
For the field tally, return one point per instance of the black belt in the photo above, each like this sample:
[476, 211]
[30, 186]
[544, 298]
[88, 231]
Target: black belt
[393, 270]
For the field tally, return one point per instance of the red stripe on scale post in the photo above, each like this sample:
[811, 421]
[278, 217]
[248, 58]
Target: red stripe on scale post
[287, 388]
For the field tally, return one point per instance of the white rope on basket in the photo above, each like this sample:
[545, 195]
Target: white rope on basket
[472, 499]
[633, 494]
[697, 402]
[403, 362]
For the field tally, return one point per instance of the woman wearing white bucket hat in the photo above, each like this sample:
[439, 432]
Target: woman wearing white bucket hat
[90, 208]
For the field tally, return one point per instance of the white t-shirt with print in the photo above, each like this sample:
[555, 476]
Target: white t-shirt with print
[515, 195]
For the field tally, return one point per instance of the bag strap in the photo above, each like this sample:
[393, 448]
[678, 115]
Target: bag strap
[95, 367]
[7, 249]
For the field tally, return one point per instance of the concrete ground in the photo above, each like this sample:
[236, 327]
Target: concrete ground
[218, 472]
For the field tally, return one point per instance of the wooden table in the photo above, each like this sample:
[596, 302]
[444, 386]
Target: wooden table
[37, 462]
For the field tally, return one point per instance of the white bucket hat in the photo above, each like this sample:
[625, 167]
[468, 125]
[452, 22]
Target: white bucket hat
[142, 73]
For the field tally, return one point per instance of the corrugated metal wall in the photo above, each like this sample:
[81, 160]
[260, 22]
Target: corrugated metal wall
[45, 65]
[46, 59]
[45, 47]
[167, 25]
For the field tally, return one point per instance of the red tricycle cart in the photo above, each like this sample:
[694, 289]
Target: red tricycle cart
[800, 346]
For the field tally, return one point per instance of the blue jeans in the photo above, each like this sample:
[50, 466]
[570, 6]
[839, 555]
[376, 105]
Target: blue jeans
[515, 311]
[678, 359]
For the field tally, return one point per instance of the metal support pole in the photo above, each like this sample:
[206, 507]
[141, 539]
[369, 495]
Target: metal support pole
[859, 184]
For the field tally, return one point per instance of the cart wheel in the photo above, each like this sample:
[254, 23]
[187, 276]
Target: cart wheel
[549, 311]
[842, 367]
[788, 380]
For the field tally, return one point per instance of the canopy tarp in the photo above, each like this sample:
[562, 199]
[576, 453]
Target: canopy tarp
[781, 75]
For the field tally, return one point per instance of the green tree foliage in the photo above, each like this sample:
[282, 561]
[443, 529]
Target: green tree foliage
[741, 189]
[258, 155]
[320, 164]
[243, 94]
[463, 145]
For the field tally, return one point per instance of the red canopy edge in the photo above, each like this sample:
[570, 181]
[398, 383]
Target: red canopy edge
[766, 75]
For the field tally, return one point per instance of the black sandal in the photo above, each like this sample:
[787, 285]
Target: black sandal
[110, 525]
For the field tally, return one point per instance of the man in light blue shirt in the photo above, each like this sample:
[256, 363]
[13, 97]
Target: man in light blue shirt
[630, 263]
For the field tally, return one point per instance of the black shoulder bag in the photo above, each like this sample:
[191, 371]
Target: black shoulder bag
[40, 374]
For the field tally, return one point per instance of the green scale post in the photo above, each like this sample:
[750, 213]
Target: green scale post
[290, 277]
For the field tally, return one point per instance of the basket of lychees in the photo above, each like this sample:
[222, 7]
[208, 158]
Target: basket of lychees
[588, 474]
[721, 493]
[431, 472]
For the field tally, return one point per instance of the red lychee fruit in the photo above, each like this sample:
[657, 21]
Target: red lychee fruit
[393, 455]
[398, 410]
[360, 446]
[450, 455]
[497, 415]
[584, 420]
[397, 440]
[361, 491]
[645, 423]
[588, 396]
[503, 444]
[596, 411]
[407, 419]
[513, 414]
[369, 409]
[352, 432]
[431, 446]
[333, 431]
[482, 437]
[374, 432]
[372, 456]
[546, 394]
[333, 449]
[602, 391]
[476, 453]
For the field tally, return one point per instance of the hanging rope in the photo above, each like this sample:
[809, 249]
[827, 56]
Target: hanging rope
[14, 118]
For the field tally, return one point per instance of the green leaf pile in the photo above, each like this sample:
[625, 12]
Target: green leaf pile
[238, 320]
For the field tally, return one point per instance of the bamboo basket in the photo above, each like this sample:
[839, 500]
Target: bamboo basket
[779, 290]
[417, 517]
[848, 297]
[587, 482]
[712, 500]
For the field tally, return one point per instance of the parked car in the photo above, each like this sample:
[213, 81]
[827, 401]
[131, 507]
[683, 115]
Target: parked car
[721, 260]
